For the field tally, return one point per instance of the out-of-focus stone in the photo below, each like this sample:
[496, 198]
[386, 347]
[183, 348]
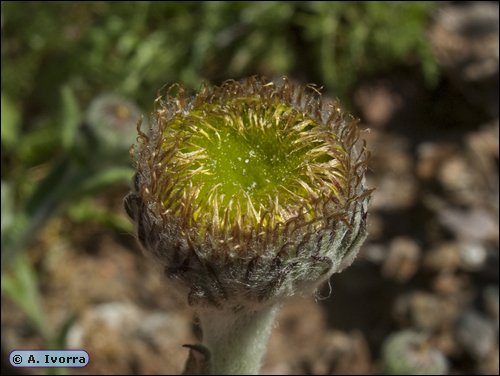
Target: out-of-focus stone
[394, 192]
[425, 311]
[475, 225]
[299, 321]
[446, 343]
[448, 283]
[376, 253]
[491, 298]
[454, 174]
[484, 145]
[375, 226]
[342, 354]
[476, 334]
[430, 156]
[465, 40]
[443, 258]
[485, 141]
[378, 103]
[472, 255]
[393, 174]
[403, 260]
[489, 366]
[468, 176]
[410, 353]
[303, 321]
[122, 337]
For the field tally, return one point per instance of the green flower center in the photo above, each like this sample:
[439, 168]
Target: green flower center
[248, 157]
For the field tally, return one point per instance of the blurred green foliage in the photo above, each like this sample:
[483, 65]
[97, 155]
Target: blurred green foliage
[134, 48]
[52, 50]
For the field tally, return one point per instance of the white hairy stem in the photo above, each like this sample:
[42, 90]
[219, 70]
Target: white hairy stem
[237, 341]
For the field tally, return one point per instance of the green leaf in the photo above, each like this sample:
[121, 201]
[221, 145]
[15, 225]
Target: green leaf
[94, 181]
[21, 285]
[88, 211]
[10, 122]
[7, 207]
[38, 145]
[70, 118]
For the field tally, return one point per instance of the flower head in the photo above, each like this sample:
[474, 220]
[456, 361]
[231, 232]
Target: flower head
[250, 191]
[111, 121]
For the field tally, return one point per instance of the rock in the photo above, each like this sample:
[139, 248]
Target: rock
[378, 103]
[489, 366]
[475, 225]
[392, 175]
[410, 353]
[465, 40]
[403, 259]
[472, 255]
[299, 321]
[375, 226]
[394, 192]
[430, 156]
[123, 338]
[490, 298]
[342, 354]
[457, 178]
[476, 334]
[448, 283]
[376, 253]
[443, 258]
[424, 311]
[483, 148]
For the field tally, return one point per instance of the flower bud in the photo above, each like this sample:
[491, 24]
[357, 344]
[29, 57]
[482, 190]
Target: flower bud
[249, 192]
[111, 121]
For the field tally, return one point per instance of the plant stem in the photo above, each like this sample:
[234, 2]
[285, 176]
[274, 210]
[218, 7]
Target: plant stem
[237, 340]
